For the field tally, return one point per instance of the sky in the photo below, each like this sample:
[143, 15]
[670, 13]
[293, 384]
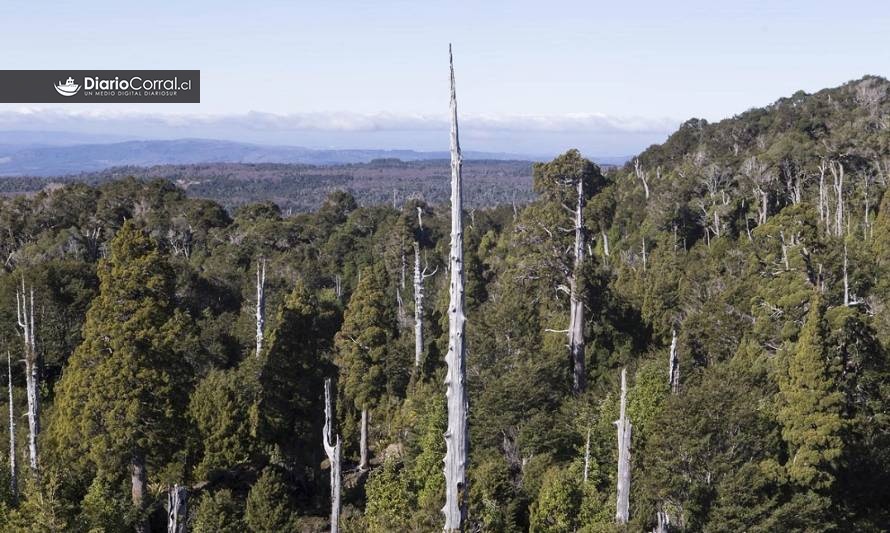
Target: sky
[532, 77]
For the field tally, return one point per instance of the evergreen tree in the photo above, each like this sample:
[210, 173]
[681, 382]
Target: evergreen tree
[217, 512]
[291, 384]
[810, 412]
[269, 504]
[388, 506]
[362, 344]
[121, 399]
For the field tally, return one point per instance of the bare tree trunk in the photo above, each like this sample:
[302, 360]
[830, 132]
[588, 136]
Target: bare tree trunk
[624, 429]
[260, 304]
[587, 456]
[400, 309]
[456, 438]
[674, 364]
[662, 522]
[605, 244]
[576, 302]
[138, 485]
[837, 172]
[177, 509]
[25, 315]
[333, 452]
[363, 442]
[823, 195]
[13, 469]
[641, 175]
[418, 307]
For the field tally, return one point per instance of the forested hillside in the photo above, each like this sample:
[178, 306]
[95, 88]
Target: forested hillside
[174, 354]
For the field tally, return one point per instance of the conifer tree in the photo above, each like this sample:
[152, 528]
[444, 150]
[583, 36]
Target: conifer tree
[291, 392]
[369, 326]
[120, 400]
[811, 407]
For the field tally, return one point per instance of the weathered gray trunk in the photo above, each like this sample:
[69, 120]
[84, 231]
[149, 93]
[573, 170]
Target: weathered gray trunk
[418, 308]
[587, 456]
[456, 438]
[419, 278]
[837, 172]
[624, 429]
[605, 243]
[177, 509]
[13, 468]
[363, 442]
[260, 304]
[846, 280]
[674, 364]
[138, 487]
[576, 302]
[662, 521]
[332, 449]
[25, 313]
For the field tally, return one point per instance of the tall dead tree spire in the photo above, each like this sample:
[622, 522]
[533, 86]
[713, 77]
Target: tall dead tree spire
[332, 449]
[13, 468]
[624, 428]
[25, 315]
[456, 438]
[260, 304]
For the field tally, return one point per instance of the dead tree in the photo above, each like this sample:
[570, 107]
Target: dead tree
[419, 277]
[138, 487]
[662, 522]
[587, 456]
[576, 301]
[456, 438]
[624, 429]
[824, 210]
[363, 464]
[260, 304]
[641, 175]
[177, 509]
[25, 315]
[13, 468]
[332, 449]
[761, 179]
[837, 172]
[674, 364]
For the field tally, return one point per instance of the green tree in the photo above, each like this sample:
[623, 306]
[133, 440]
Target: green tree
[362, 344]
[388, 505]
[559, 501]
[291, 392]
[121, 399]
[217, 512]
[810, 412]
[269, 504]
[221, 408]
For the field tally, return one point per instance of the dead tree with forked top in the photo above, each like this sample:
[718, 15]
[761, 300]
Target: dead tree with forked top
[25, 315]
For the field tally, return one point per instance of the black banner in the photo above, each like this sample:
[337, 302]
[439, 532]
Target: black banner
[102, 86]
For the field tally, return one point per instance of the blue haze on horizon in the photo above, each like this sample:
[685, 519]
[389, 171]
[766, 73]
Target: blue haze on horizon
[533, 77]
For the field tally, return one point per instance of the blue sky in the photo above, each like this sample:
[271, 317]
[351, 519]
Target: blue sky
[533, 77]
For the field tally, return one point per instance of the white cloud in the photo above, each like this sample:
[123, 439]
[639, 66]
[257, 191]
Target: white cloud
[532, 134]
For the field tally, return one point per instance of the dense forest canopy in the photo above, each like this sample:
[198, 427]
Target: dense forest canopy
[299, 188]
[737, 273]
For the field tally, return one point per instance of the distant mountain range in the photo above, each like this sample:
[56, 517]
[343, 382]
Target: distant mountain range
[58, 153]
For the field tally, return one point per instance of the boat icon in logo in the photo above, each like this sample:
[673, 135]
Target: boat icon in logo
[69, 88]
